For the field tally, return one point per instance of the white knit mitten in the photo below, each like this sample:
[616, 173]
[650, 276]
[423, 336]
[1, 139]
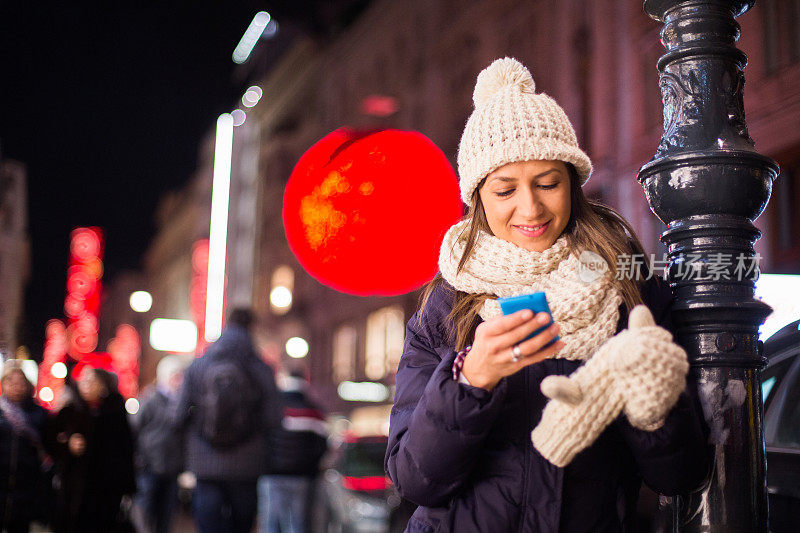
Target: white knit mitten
[639, 371]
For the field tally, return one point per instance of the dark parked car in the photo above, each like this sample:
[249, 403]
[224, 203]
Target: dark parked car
[357, 496]
[780, 389]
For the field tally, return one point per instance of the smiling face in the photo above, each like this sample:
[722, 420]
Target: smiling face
[528, 203]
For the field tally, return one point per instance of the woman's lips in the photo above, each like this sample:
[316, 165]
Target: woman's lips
[532, 231]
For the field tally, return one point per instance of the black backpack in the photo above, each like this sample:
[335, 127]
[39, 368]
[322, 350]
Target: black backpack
[229, 404]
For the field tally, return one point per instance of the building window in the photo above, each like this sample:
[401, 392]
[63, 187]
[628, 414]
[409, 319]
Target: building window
[771, 34]
[281, 290]
[345, 340]
[785, 253]
[785, 193]
[653, 104]
[385, 333]
[583, 72]
[793, 29]
[781, 19]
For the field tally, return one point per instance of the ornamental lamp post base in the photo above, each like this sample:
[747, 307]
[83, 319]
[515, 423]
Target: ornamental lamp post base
[708, 184]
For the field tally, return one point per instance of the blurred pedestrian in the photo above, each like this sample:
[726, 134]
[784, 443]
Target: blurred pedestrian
[22, 426]
[487, 432]
[228, 404]
[159, 447]
[286, 492]
[93, 446]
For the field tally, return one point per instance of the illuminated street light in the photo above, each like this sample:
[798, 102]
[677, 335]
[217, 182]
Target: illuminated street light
[239, 117]
[141, 301]
[132, 406]
[367, 391]
[297, 347]
[282, 283]
[280, 297]
[218, 231]
[46, 394]
[252, 96]
[173, 335]
[58, 370]
[251, 36]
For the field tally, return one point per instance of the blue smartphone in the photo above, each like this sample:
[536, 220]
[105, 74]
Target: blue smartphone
[536, 302]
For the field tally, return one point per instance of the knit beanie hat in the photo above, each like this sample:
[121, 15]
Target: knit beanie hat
[512, 123]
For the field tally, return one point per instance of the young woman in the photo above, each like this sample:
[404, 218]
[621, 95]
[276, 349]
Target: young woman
[487, 432]
[22, 426]
[93, 447]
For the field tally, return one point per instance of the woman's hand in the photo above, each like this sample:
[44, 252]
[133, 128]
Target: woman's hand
[77, 444]
[492, 357]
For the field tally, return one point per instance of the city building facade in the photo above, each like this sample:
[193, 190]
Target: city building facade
[596, 58]
[14, 253]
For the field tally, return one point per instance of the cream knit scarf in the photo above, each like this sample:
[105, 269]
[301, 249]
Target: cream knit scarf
[587, 312]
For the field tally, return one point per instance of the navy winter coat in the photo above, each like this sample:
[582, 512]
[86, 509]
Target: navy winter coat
[465, 455]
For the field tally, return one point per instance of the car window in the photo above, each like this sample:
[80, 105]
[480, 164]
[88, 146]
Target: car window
[771, 378]
[766, 387]
[787, 434]
[362, 459]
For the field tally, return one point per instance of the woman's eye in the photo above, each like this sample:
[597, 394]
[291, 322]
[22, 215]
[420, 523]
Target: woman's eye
[548, 187]
[506, 192]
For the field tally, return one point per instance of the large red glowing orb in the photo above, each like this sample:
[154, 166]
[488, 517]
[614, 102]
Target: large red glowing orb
[365, 212]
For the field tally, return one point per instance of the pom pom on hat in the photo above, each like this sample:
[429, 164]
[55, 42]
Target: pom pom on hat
[510, 123]
[502, 74]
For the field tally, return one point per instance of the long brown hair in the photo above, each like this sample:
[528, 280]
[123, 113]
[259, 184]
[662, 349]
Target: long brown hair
[592, 226]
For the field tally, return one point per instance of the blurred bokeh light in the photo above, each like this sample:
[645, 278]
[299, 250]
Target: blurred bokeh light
[132, 406]
[173, 335]
[59, 370]
[280, 297]
[251, 37]
[141, 301]
[297, 347]
[252, 96]
[238, 116]
[365, 212]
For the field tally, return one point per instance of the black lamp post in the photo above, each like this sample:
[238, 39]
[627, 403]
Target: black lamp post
[708, 184]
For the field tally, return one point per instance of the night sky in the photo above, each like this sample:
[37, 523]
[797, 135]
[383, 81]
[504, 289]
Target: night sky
[106, 107]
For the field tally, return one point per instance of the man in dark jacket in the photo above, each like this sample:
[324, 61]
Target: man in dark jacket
[159, 447]
[228, 404]
[285, 493]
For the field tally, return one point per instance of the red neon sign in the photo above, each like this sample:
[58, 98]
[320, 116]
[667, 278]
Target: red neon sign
[55, 351]
[82, 303]
[125, 349]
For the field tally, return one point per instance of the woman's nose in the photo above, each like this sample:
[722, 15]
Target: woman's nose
[529, 204]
